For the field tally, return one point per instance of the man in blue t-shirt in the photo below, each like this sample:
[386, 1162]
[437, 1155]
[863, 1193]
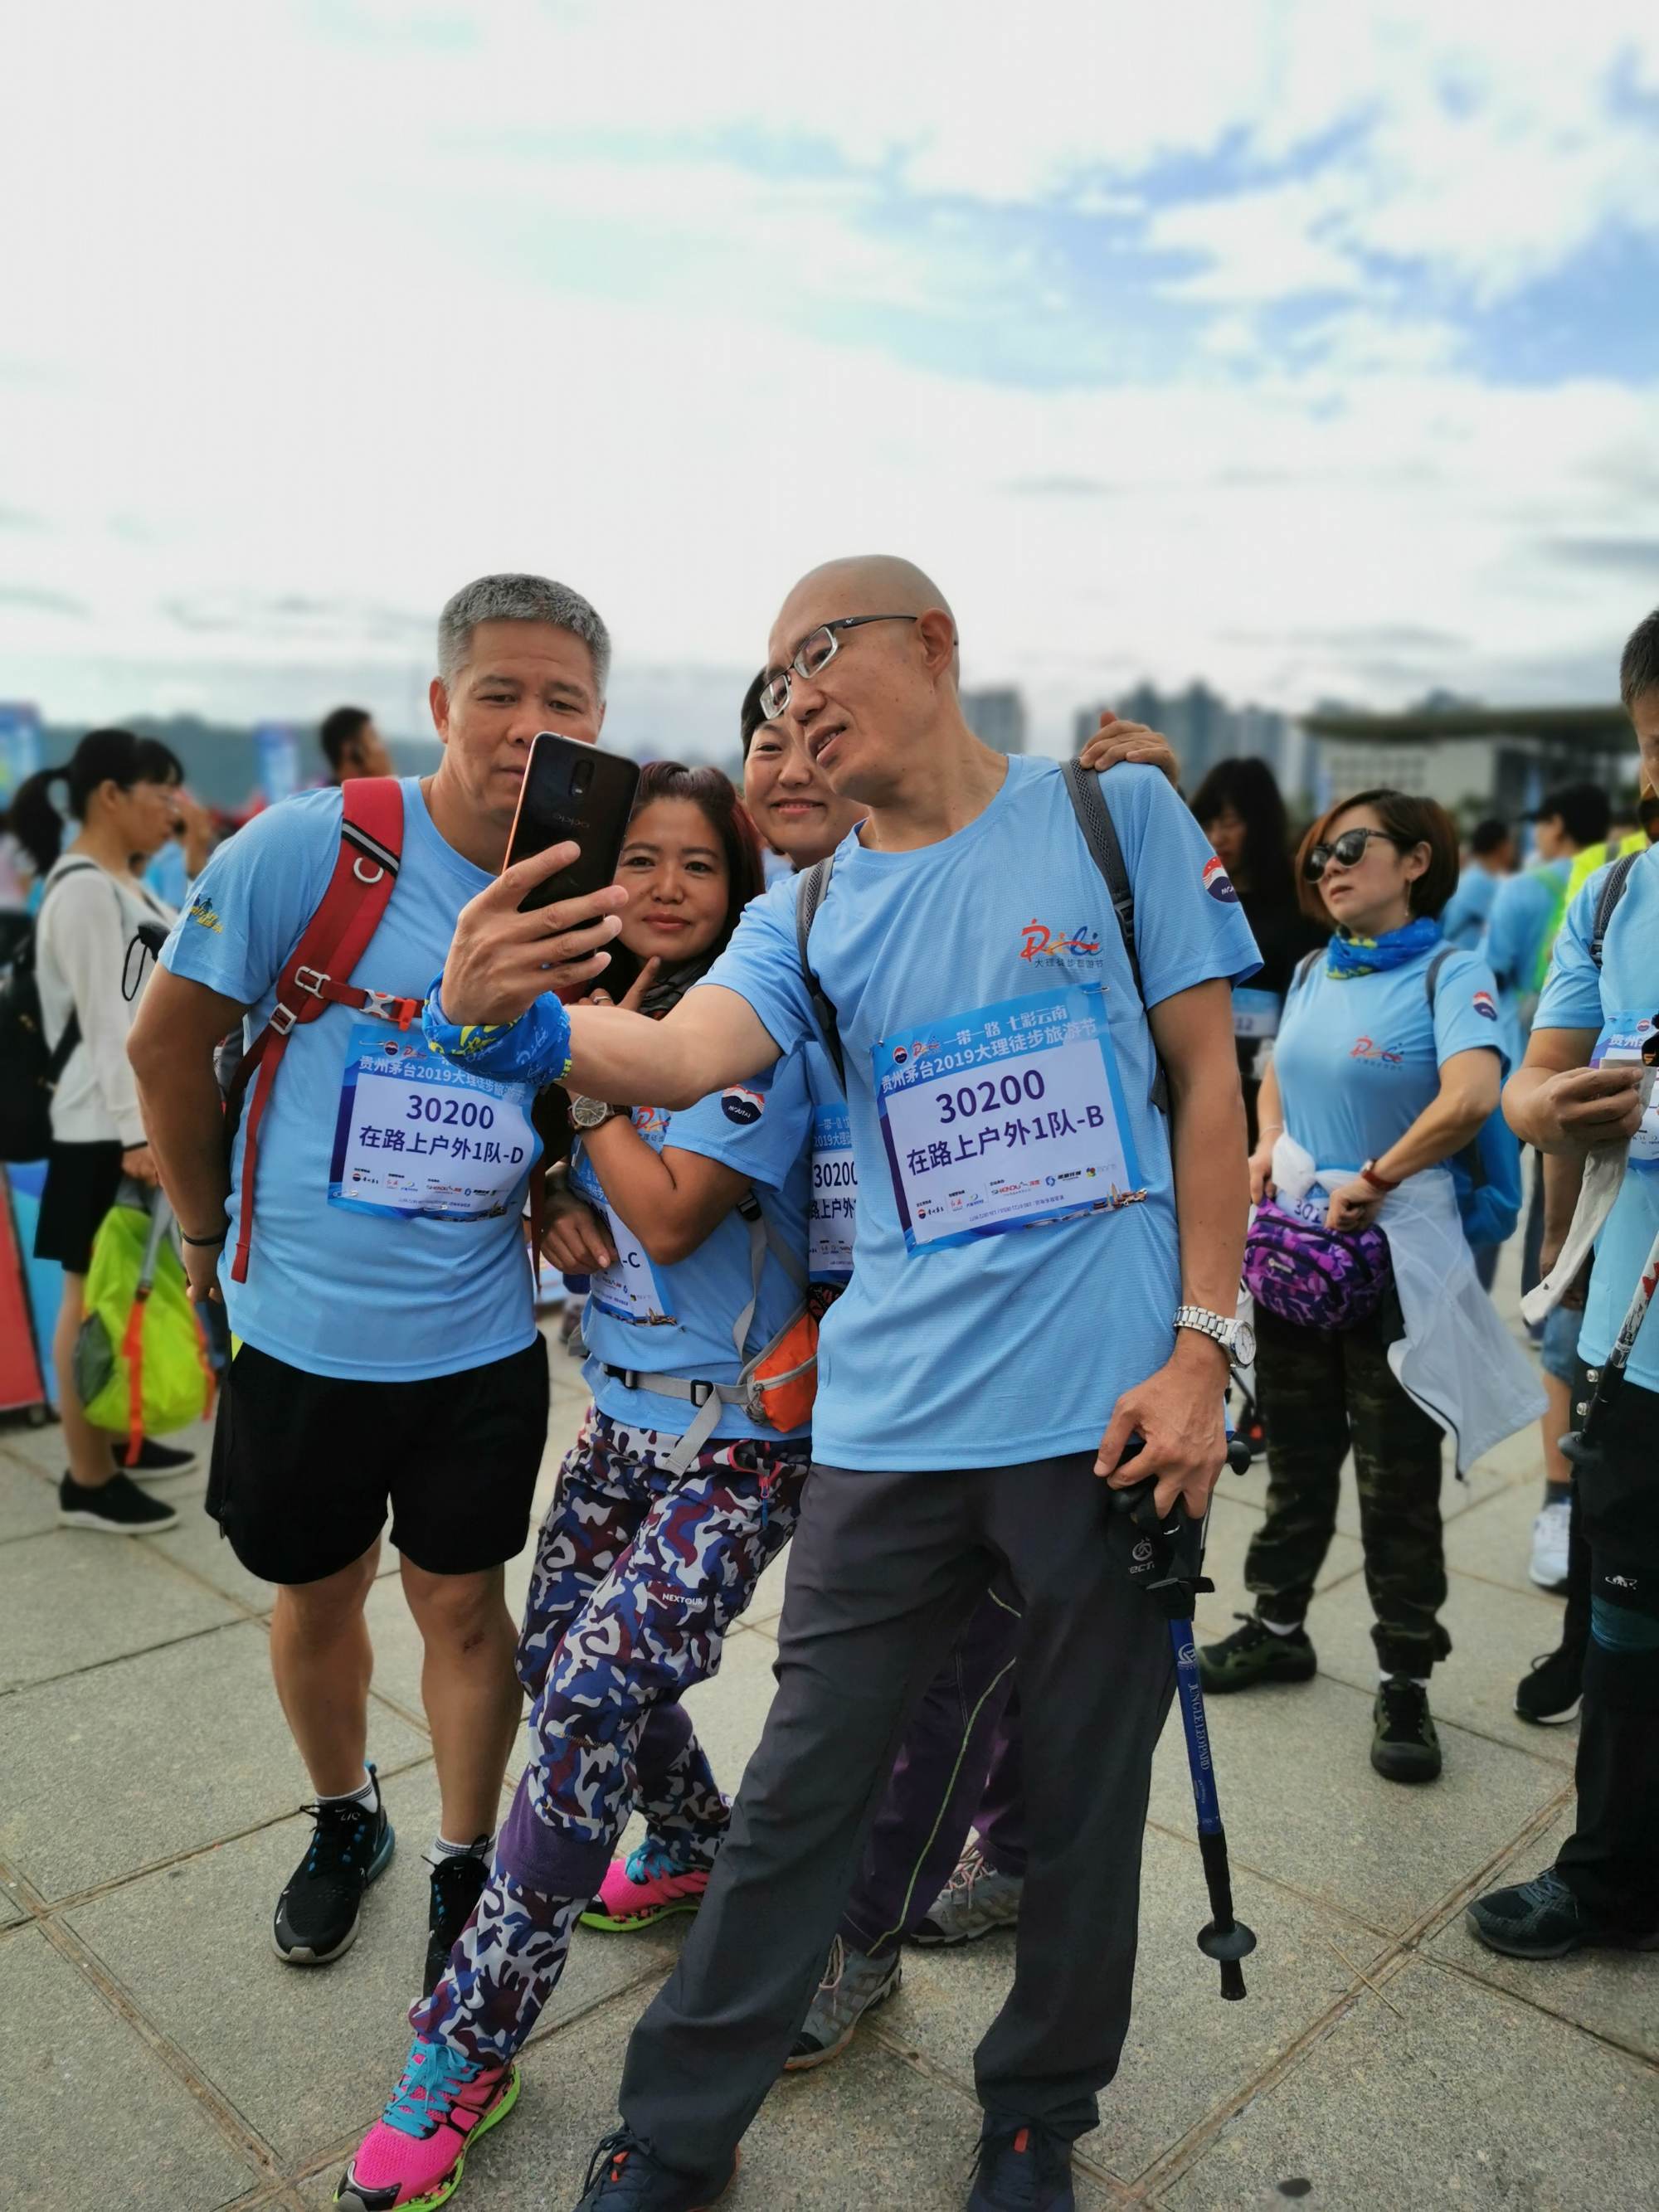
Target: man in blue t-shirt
[389, 1354]
[1488, 868]
[1045, 1268]
[1580, 1089]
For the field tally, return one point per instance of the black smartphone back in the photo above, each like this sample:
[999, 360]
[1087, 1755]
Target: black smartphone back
[572, 791]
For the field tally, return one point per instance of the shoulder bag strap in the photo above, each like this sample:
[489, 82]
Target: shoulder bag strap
[1094, 818]
[810, 888]
[1607, 904]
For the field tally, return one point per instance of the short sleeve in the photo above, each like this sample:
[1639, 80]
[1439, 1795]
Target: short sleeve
[1571, 997]
[251, 903]
[1512, 932]
[762, 964]
[758, 1128]
[1465, 1008]
[1189, 925]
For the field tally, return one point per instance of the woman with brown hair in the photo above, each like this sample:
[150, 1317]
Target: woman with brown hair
[1370, 1326]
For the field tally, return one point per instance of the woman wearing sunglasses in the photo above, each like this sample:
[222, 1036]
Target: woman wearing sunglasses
[1371, 1327]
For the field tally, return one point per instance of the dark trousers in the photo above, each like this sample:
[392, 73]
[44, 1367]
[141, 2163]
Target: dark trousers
[1609, 1860]
[959, 1768]
[1318, 1389]
[884, 1571]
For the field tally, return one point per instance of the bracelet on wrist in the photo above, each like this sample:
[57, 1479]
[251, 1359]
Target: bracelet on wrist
[205, 1243]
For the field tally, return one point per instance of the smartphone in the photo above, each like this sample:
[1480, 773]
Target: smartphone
[572, 791]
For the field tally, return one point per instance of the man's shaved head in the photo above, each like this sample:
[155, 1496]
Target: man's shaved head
[872, 583]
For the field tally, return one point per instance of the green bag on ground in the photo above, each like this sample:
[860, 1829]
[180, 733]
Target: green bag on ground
[141, 1368]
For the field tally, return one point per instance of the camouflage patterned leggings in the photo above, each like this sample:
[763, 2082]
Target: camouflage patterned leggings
[1318, 1390]
[639, 1574]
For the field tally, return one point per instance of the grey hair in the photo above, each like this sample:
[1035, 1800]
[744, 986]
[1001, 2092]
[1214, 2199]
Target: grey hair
[520, 599]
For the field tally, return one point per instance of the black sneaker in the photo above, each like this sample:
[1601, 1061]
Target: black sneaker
[624, 2177]
[1553, 1690]
[1254, 1654]
[457, 1883]
[316, 1914]
[116, 1507]
[1021, 2167]
[1542, 1920]
[1404, 1746]
[161, 1459]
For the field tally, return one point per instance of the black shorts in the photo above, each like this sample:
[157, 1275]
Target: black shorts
[81, 1181]
[304, 1466]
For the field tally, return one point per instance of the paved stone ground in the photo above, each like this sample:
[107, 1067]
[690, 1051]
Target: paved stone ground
[155, 2053]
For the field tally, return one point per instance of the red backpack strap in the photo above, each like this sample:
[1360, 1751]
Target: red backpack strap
[316, 970]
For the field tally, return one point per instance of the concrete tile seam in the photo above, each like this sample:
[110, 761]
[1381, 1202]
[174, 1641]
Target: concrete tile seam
[119, 1658]
[1326, 1904]
[1467, 1973]
[1431, 1921]
[231, 2122]
[50, 1908]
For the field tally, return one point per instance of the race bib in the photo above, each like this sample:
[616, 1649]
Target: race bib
[1622, 1038]
[1004, 1117]
[835, 1202]
[418, 1135]
[627, 1288]
[1255, 1013]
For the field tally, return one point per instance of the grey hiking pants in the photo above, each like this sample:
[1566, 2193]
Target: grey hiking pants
[884, 1571]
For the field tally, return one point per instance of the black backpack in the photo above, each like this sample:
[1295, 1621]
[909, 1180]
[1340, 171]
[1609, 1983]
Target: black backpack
[29, 1072]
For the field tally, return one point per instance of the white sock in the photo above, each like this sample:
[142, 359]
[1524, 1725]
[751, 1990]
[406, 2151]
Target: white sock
[442, 1849]
[365, 1796]
[1281, 1627]
[1383, 1675]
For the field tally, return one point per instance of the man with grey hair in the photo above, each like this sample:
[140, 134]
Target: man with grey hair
[389, 1353]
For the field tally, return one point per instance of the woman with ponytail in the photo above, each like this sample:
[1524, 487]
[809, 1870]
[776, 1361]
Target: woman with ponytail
[122, 794]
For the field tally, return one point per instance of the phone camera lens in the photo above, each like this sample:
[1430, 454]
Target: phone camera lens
[581, 777]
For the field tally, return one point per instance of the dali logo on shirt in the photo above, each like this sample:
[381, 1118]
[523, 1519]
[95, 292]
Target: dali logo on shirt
[1384, 1055]
[1039, 942]
[1484, 1005]
[1218, 882]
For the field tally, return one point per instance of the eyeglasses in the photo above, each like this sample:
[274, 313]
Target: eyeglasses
[810, 657]
[1348, 849]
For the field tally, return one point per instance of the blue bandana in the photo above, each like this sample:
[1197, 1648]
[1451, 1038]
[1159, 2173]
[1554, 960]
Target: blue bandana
[1365, 956]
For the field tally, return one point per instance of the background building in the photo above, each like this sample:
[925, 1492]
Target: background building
[1475, 760]
[996, 717]
[1204, 729]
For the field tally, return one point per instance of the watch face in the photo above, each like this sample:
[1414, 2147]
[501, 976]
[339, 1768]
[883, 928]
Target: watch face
[1243, 1344]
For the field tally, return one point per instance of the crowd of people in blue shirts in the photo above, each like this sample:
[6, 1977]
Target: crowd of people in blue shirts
[938, 1163]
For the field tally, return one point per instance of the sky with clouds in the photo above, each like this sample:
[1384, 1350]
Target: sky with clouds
[1311, 350]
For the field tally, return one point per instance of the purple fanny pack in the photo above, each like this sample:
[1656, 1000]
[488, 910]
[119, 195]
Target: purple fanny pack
[1320, 1278]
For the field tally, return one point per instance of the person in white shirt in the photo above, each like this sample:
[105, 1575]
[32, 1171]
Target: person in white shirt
[123, 797]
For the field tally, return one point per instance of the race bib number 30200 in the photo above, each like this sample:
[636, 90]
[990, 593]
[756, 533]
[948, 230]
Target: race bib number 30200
[1004, 1117]
[416, 1134]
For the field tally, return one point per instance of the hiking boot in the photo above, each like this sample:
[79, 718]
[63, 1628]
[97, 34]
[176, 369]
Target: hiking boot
[1404, 1746]
[853, 1984]
[1021, 2167]
[316, 1914]
[1254, 1654]
[413, 2154]
[1554, 1689]
[1542, 1920]
[974, 1901]
[457, 1881]
[155, 1459]
[1550, 1531]
[115, 1508]
[648, 1885]
[624, 2177]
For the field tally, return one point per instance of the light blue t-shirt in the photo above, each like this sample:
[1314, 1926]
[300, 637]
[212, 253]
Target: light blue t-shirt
[1523, 915]
[1358, 1057]
[1576, 997]
[1469, 908]
[333, 1288]
[1001, 1348]
[677, 1320]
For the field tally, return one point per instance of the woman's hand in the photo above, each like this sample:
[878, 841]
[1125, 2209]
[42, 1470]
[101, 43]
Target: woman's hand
[634, 997]
[1116, 741]
[1353, 1204]
[573, 1236]
[1261, 1174]
[139, 1161]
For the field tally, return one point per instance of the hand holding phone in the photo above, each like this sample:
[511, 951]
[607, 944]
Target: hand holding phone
[572, 793]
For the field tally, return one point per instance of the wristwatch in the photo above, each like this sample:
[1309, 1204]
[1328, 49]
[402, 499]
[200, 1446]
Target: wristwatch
[1236, 1338]
[589, 1113]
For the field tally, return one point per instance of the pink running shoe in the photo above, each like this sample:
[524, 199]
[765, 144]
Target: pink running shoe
[412, 2156]
[648, 1885]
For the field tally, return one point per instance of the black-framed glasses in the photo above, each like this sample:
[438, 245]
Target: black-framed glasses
[1348, 850]
[814, 654]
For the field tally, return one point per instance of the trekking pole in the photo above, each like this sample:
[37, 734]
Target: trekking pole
[1174, 1552]
[1584, 1444]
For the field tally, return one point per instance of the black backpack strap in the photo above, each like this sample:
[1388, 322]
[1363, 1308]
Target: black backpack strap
[1617, 883]
[1432, 980]
[1304, 967]
[809, 887]
[1095, 820]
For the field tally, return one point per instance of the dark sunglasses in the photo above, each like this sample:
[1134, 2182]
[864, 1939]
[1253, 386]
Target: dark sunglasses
[1348, 850]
